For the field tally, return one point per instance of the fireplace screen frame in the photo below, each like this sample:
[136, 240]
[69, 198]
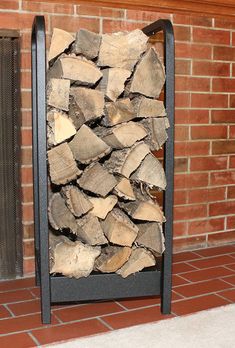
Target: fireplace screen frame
[56, 289]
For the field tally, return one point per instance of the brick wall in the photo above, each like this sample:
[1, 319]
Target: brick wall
[205, 113]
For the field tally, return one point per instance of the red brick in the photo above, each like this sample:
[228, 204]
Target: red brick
[182, 33]
[180, 229]
[181, 165]
[223, 178]
[211, 36]
[223, 116]
[16, 20]
[231, 192]
[232, 132]
[181, 133]
[232, 101]
[231, 266]
[194, 51]
[40, 7]
[206, 195]
[205, 226]
[223, 147]
[191, 116]
[223, 85]
[192, 290]
[22, 283]
[231, 222]
[110, 26]
[23, 341]
[208, 163]
[182, 100]
[212, 261]
[26, 175]
[27, 194]
[14, 296]
[180, 197]
[222, 208]
[26, 136]
[188, 83]
[25, 60]
[221, 238]
[183, 181]
[28, 230]
[224, 53]
[198, 304]
[230, 280]
[9, 5]
[99, 11]
[27, 212]
[28, 247]
[177, 280]
[26, 118]
[211, 68]
[209, 273]
[26, 156]
[185, 212]
[232, 162]
[227, 23]
[189, 243]
[209, 132]
[140, 302]
[29, 266]
[26, 307]
[26, 40]
[192, 20]
[185, 256]
[146, 16]
[4, 313]
[191, 148]
[26, 79]
[26, 100]
[182, 67]
[229, 295]
[182, 267]
[209, 100]
[72, 24]
[221, 250]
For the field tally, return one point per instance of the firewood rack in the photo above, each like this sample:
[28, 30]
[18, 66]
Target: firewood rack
[58, 289]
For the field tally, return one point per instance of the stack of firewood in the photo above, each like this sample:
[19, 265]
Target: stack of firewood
[103, 122]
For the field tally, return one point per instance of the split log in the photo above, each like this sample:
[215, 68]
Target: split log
[139, 259]
[87, 43]
[60, 127]
[90, 231]
[150, 172]
[157, 135]
[75, 69]
[146, 107]
[126, 161]
[143, 210]
[102, 206]
[119, 229]
[76, 200]
[112, 82]
[122, 50]
[87, 147]
[112, 258]
[59, 214]
[89, 103]
[124, 135]
[149, 75]
[60, 41]
[97, 179]
[58, 93]
[124, 190]
[118, 112]
[75, 113]
[74, 259]
[151, 236]
[62, 165]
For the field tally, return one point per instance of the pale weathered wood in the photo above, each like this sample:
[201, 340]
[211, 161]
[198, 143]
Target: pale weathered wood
[124, 190]
[122, 50]
[125, 161]
[90, 103]
[75, 69]
[76, 200]
[157, 134]
[62, 165]
[58, 93]
[150, 172]
[102, 206]
[60, 41]
[87, 43]
[97, 179]
[124, 135]
[117, 112]
[90, 231]
[140, 258]
[59, 214]
[146, 107]
[119, 229]
[143, 210]
[60, 127]
[75, 113]
[74, 259]
[149, 76]
[151, 236]
[87, 147]
[112, 258]
[112, 82]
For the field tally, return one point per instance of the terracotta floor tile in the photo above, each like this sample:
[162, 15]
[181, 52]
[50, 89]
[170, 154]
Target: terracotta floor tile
[88, 311]
[205, 287]
[185, 256]
[216, 251]
[213, 261]
[182, 267]
[69, 331]
[17, 284]
[135, 317]
[14, 296]
[22, 323]
[230, 280]
[208, 273]
[197, 304]
[4, 312]
[36, 292]
[26, 307]
[232, 266]
[178, 280]
[228, 294]
[22, 340]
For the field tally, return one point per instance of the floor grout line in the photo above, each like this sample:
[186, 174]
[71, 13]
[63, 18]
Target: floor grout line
[106, 324]
[34, 339]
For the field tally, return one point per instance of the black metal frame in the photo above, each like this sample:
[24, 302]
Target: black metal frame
[96, 286]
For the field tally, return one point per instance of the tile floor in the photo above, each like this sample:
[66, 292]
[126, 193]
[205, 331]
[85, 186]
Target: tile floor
[202, 279]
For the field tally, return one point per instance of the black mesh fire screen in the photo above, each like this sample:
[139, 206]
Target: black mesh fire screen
[10, 221]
